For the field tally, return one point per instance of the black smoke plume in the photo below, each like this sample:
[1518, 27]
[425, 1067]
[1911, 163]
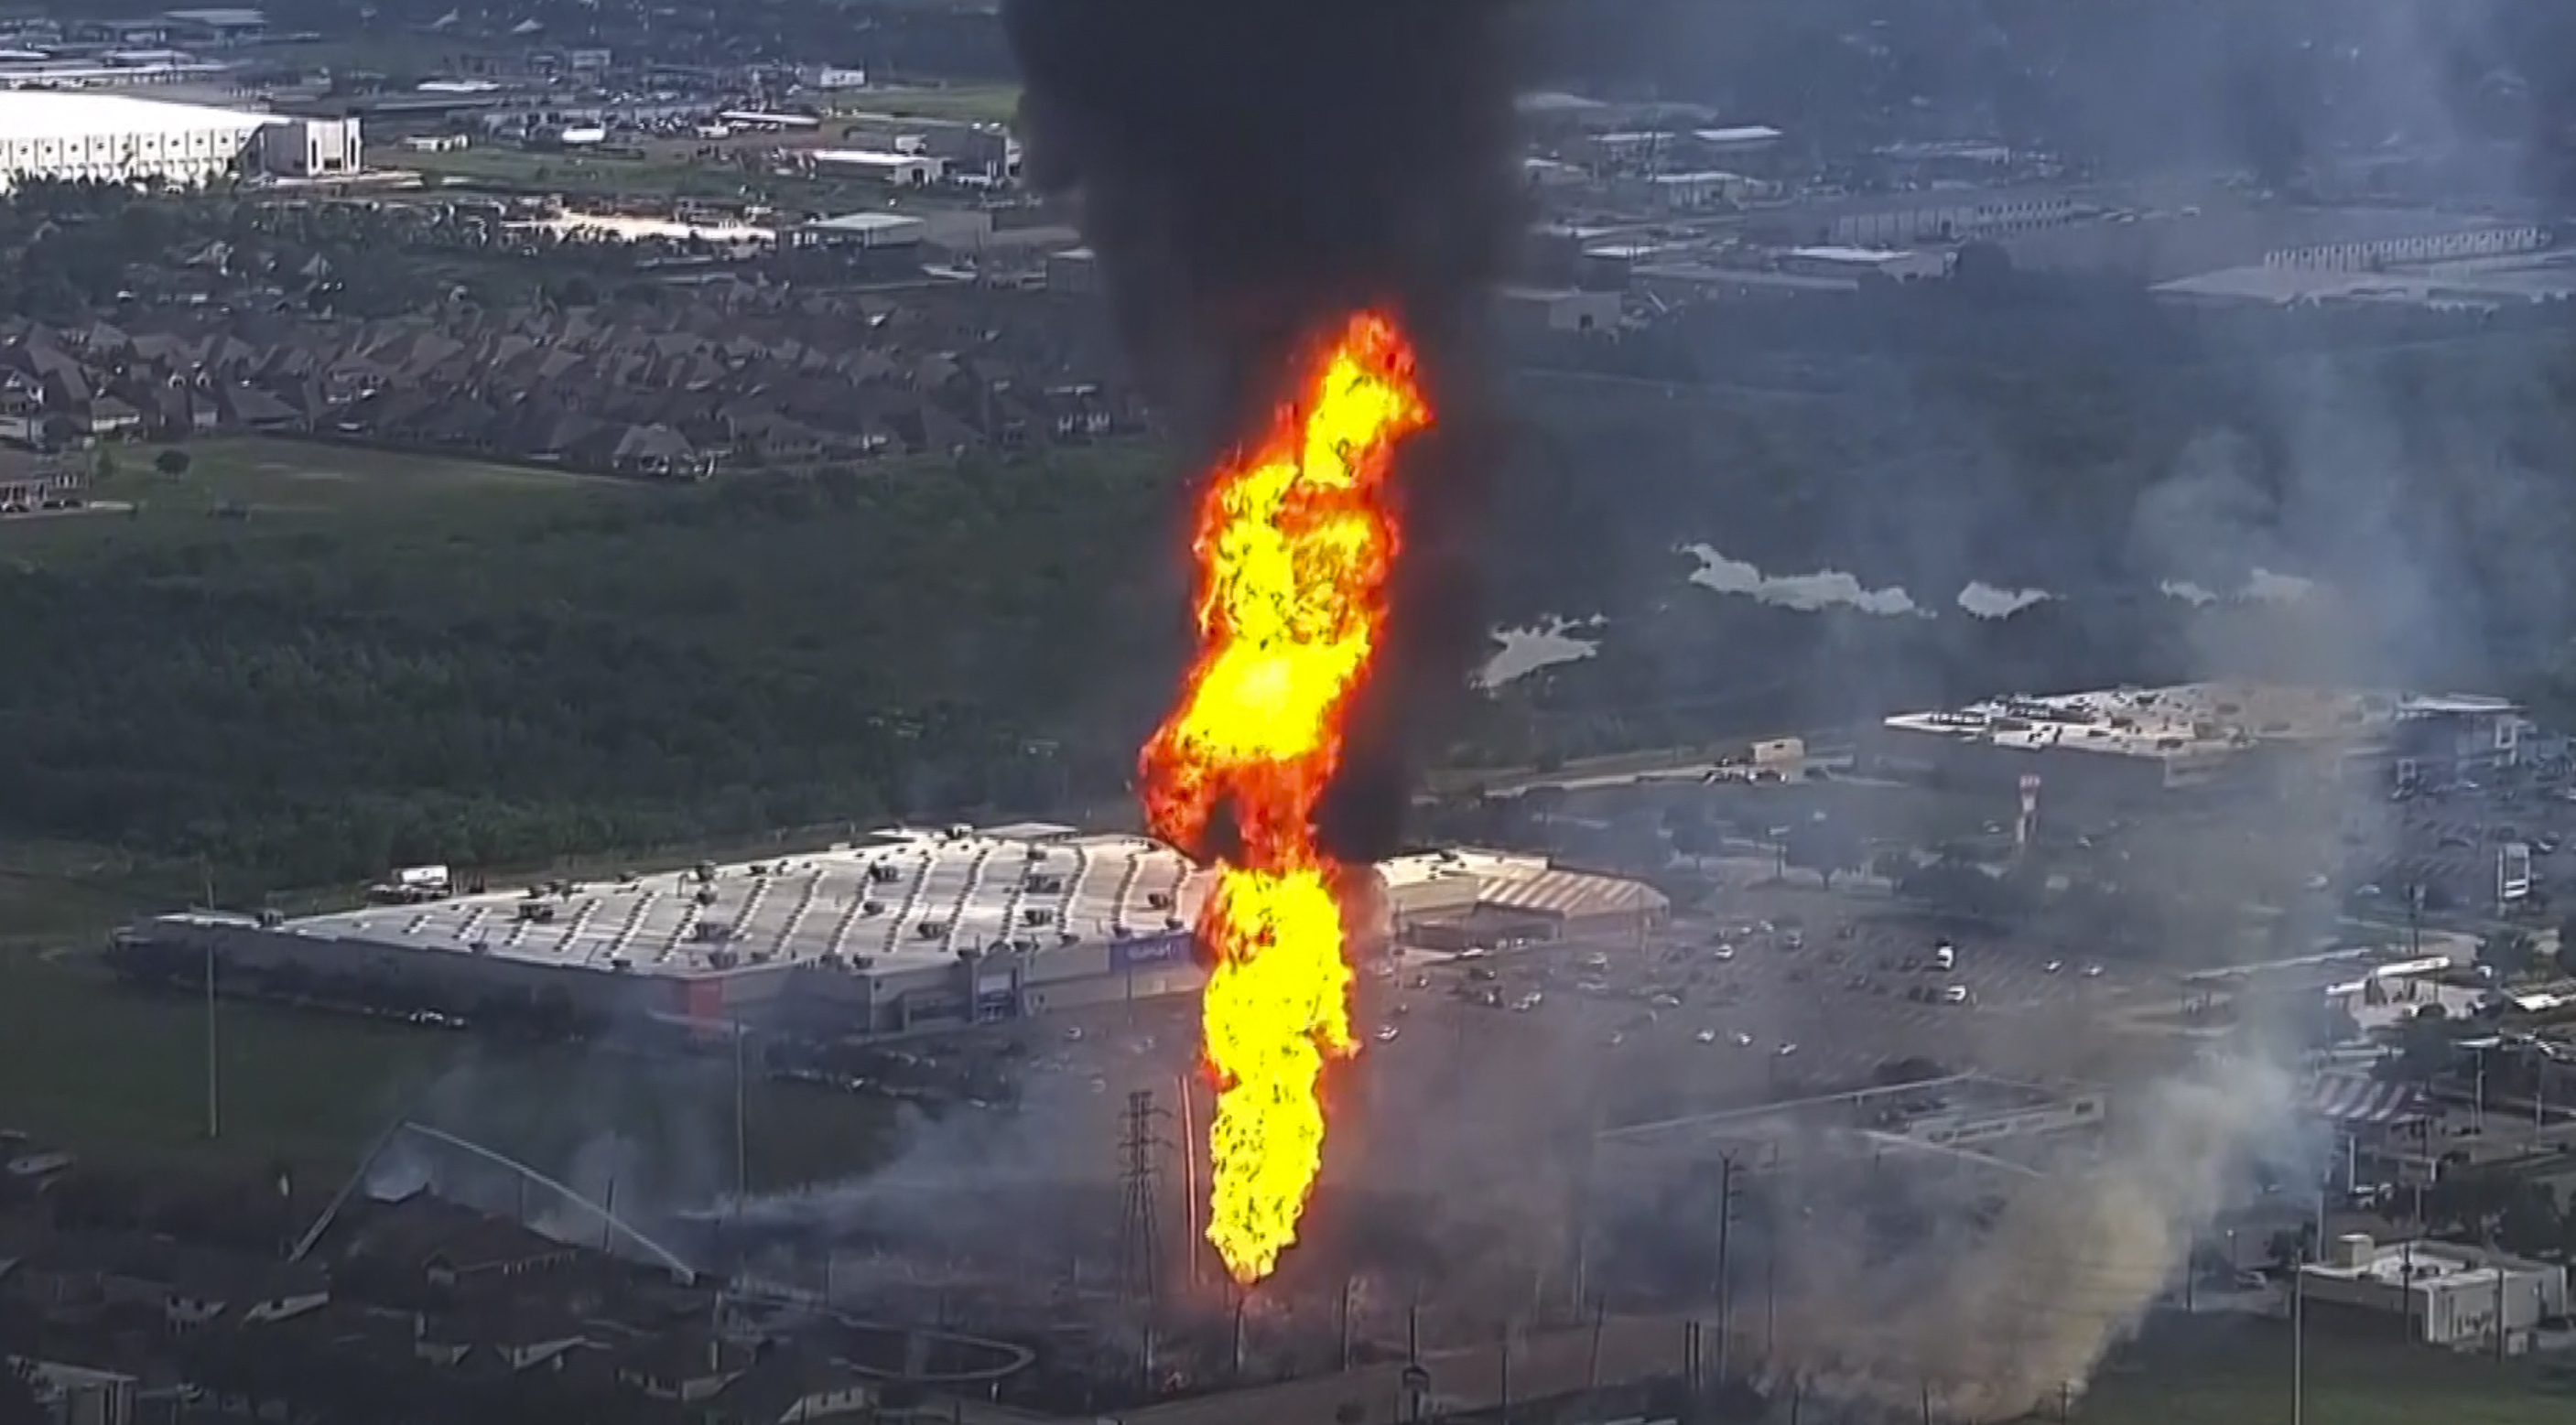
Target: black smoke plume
[1249, 173]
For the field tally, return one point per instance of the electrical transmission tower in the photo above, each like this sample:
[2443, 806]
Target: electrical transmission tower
[1139, 1275]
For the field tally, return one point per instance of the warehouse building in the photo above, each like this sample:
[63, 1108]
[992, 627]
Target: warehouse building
[2126, 743]
[2447, 1294]
[865, 231]
[82, 136]
[907, 929]
[1452, 900]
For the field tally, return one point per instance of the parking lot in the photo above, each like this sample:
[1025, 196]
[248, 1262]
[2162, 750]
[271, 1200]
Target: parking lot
[1788, 990]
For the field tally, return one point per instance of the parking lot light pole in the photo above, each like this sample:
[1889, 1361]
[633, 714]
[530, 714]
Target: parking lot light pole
[214, 1062]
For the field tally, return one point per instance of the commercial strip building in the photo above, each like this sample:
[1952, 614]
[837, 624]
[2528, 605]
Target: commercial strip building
[2133, 742]
[906, 929]
[2448, 1294]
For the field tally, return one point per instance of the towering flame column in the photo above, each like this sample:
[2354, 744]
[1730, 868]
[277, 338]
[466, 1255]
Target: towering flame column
[1294, 542]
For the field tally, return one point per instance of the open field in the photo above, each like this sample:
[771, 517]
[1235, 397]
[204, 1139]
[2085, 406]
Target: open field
[111, 1072]
[666, 170]
[256, 488]
[2235, 1370]
[967, 103]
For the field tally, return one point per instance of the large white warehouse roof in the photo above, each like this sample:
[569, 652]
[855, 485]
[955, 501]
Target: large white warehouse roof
[60, 114]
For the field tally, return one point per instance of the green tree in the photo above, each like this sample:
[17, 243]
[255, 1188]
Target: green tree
[172, 462]
[2508, 954]
[19, 1404]
[1826, 847]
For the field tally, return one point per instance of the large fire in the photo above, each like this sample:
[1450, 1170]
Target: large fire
[1295, 541]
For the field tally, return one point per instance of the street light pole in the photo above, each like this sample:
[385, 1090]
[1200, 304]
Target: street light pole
[214, 1063]
[2299, 1337]
[741, 1125]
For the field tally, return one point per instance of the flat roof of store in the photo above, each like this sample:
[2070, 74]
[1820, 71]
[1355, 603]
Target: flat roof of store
[942, 893]
[902, 899]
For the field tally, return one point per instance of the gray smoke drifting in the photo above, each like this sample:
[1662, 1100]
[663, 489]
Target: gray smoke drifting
[1991, 1315]
[1250, 174]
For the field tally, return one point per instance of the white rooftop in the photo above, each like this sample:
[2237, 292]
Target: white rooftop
[869, 222]
[1871, 255]
[904, 898]
[2408, 1264]
[865, 157]
[2191, 719]
[60, 114]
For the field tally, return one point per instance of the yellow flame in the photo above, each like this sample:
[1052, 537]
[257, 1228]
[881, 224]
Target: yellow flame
[1294, 547]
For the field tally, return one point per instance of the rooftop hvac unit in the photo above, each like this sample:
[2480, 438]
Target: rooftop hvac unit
[932, 929]
[872, 907]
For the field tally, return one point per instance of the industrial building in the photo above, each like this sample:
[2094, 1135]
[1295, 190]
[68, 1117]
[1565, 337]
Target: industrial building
[2448, 1294]
[2132, 742]
[869, 231]
[908, 928]
[83, 136]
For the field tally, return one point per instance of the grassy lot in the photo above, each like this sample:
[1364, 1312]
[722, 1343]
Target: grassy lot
[255, 489]
[2236, 1371]
[667, 171]
[120, 1074]
[969, 103]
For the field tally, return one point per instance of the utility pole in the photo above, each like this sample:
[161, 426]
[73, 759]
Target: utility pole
[1349, 1285]
[1770, 1295]
[2406, 1272]
[2499, 1306]
[1189, 1176]
[1138, 1143]
[214, 1062]
[1725, 1244]
[741, 1124]
[2299, 1336]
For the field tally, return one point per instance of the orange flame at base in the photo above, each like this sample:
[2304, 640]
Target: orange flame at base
[1294, 544]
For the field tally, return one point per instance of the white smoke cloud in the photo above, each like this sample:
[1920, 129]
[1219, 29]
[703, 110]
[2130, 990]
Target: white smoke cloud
[1983, 600]
[1807, 593]
[1527, 650]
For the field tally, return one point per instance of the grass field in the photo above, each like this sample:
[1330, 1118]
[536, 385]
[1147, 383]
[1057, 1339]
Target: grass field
[969, 103]
[110, 1072]
[665, 171]
[2235, 1370]
[119, 1074]
[256, 488]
